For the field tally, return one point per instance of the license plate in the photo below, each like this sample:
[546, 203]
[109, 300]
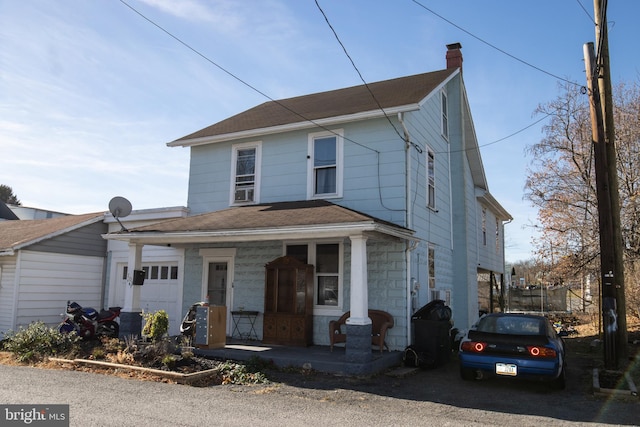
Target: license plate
[506, 369]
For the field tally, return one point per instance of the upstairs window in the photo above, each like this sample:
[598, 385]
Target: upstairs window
[431, 180]
[325, 169]
[445, 116]
[245, 173]
[484, 227]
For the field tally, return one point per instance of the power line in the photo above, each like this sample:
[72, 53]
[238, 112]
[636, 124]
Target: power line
[353, 64]
[586, 12]
[493, 46]
[203, 56]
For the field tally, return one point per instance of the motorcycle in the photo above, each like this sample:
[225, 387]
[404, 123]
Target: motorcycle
[88, 323]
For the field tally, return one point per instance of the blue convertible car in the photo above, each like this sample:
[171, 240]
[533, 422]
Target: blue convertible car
[515, 346]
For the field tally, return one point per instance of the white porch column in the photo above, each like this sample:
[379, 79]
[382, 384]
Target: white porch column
[359, 286]
[130, 318]
[132, 292]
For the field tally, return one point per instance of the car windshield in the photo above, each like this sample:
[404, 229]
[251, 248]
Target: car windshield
[511, 325]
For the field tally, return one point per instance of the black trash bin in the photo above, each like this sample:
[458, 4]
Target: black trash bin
[432, 326]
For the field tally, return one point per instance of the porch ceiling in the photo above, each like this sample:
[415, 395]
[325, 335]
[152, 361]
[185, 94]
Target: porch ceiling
[274, 221]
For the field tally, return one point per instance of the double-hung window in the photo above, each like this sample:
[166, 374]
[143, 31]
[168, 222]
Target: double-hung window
[325, 169]
[445, 115]
[431, 180]
[431, 265]
[245, 173]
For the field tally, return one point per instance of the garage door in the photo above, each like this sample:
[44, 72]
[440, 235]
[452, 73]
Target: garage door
[161, 291]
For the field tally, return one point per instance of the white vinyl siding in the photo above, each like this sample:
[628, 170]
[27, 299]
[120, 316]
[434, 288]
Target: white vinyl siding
[47, 280]
[7, 295]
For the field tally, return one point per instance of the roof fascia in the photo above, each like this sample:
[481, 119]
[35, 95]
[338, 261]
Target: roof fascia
[263, 234]
[473, 152]
[330, 121]
[486, 197]
[438, 88]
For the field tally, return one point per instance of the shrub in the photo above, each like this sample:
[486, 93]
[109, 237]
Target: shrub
[37, 341]
[235, 373]
[169, 361]
[156, 324]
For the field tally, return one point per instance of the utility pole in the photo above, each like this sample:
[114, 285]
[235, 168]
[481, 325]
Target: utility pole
[607, 261]
[604, 83]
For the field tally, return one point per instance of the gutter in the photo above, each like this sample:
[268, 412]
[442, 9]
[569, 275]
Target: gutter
[261, 132]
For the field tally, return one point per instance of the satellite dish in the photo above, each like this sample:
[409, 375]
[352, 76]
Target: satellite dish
[119, 208]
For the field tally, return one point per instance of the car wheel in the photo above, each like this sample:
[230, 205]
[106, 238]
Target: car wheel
[467, 374]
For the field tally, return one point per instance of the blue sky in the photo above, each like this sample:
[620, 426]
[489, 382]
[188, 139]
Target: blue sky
[90, 91]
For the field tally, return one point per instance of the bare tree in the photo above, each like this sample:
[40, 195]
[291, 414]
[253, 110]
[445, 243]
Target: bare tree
[561, 183]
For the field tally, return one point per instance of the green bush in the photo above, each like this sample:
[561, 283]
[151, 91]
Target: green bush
[37, 341]
[156, 324]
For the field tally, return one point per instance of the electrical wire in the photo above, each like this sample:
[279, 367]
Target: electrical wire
[203, 56]
[586, 12]
[378, 154]
[493, 46]
[353, 64]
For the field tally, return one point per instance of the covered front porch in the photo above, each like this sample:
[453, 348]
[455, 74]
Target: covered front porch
[316, 357]
[247, 238]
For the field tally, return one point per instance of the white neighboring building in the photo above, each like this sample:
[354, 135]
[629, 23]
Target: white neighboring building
[162, 289]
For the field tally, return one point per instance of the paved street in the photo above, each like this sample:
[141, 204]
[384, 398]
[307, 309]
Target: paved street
[435, 397]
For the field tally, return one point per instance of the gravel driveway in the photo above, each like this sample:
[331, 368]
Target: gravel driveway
[426, 397]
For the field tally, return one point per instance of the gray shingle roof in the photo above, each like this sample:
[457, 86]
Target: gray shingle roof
[18, 233]
[268, 215]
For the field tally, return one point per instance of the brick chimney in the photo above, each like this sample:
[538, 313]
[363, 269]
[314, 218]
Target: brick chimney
[454, 56]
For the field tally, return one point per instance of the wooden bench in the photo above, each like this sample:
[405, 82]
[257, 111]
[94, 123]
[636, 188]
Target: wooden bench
[381, 321]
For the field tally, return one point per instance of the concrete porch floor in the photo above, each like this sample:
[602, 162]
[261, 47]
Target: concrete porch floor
[318, 358]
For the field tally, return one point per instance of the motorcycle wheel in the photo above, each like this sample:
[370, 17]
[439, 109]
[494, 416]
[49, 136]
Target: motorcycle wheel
[110, 329]
[66, 328]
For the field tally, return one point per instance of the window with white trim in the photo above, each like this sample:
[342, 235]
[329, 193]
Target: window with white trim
[484, 227]
[156, 272]
[431, 179]
[326, 257]
[245, 173]
[445, 115]
[431, 263]
[325, 164]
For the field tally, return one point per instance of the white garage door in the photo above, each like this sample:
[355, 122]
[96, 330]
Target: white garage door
[161, 291]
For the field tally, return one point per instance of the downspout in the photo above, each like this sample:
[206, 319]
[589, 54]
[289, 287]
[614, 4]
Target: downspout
[450, 197]
[410, 246]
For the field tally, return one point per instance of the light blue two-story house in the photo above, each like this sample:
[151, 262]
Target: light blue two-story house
[368, 197]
